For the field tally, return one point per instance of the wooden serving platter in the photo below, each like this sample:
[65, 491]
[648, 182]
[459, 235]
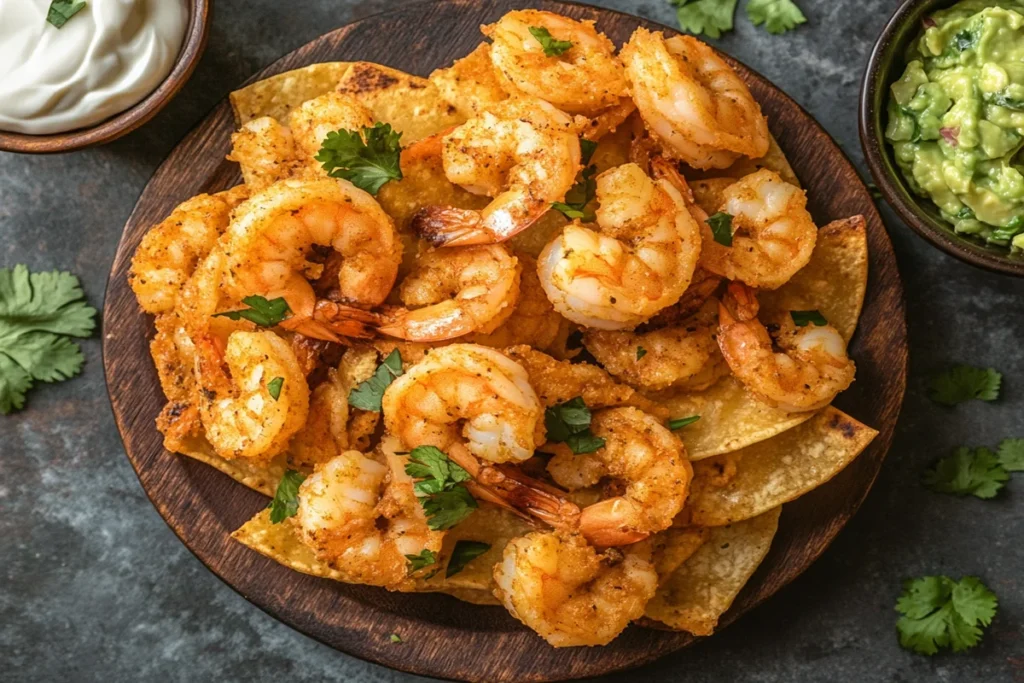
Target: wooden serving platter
[443, 637]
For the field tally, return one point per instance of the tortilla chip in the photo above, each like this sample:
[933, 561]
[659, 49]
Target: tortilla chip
[737, 486]
[412, 105]
[730, 418]
[278, 95]
[471, 83]
[773, 160]
[704, 587]
[835, 279]
[672, 547]
[280, 543]
[262, 477]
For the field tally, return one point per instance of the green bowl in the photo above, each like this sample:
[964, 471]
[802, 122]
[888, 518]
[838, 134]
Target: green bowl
[885, 65]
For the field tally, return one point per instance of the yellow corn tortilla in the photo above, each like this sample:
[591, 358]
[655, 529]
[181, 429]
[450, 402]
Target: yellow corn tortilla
[672, 547]
[412, 105]
[737, 486]
[278, 95]
[834, 281]
[700, 591]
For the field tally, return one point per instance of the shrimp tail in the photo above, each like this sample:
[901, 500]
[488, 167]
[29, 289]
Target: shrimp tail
[333, 321]
[738, 304]
[601, 523]
[447, 226]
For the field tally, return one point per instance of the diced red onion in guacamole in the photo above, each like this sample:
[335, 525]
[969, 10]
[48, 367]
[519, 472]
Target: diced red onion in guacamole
[950, 135]
[929, 22]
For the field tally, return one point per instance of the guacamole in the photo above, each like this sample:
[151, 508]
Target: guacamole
[956, 118]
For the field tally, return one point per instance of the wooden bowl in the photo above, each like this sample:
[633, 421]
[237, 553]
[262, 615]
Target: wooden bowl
[441, 636]
[885, 65]
[121, 124]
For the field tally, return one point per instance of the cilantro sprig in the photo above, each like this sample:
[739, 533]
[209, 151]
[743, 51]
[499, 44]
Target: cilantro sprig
[1011, 455]
[721, 227]
[938, 612]
[441, 487]
[262, 311]
[569, 423]
[715, 17]
[367, 395]
[963, 383]
[421, 560]
[463, 553]
[62, 10]
[777, 16]
[975, 472]
[286, 498]
[583, 190]
[367, 159]
[551, 46]
[38, 312]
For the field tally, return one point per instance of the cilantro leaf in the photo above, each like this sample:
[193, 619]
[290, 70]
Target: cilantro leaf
[463, 553]
[447, 508]
[708, 17]
[778, 16]
[367, 395]
[963, 383]
[421, 560]
[552, 47]
[578, 196]
[274, 387]
[966, 472]
[286, 498]
[62, 10]
[367, 165]
[640, 352]
[569, 423]
[680, 422]
[441, 489]
[262, 311]
[721, 227]
[395, 638]
[938, 612]
[587, 149]
[38, 311]
[1011, 455]
[802, 318]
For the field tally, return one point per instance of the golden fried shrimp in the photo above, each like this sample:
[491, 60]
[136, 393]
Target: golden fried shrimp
[174, 356]
[325, 433]
[639, 261]
[457, 292]
[693, 101]
[269, 243]
[678, 355]
[464, 393]
[522, 152]
[470, 84]
[171, 249]
[569, 594]
[362, 517]
[584, 79]
[240, 414]
[647, 458]
[793, 368]
[314, 119]
[773, 234]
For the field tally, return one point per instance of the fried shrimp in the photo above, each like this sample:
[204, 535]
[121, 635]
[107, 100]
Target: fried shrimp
[241, 415]
[311, 122]
[641, 453]
[639, 261]
[464, 393]
[362, 517]
[569, 594]
[682, 355]
[584, 79]
[171, 249]
[523, 152]
[174, 355]
[693, 101]
[793, 368]
[273, 235]
[773, 234]
[457, 292]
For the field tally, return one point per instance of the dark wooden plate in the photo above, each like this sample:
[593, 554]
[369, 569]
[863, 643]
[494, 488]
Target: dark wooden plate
[442, 636]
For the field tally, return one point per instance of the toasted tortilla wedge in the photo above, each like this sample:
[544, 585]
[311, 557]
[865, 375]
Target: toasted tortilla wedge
[700, 591]
[737, 486]
[672, 547]
[278, 95]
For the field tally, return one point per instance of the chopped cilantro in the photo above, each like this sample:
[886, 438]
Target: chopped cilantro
[569, 423]
[640, 352]
[286, 499]
[802, 318]
[578, 196]
[1011, 455]
[421, 560]
[938, 612]
[721, 227]
[367, 395]
[62, 10]
[587, 149]
[395, 638]
[708, 17]
[968, 472]
[966, 39]
[778, 16]
[441, 489]
[367, 161]
[38, 312]
[274, 387]
[680, 422]
[963, 383]
[463, 553]
[263, 312]
[447, 508]
[552, 47]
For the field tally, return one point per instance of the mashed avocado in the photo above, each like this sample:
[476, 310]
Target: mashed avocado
[956, 118]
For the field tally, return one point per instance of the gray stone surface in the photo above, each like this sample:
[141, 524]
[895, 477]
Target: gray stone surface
[96, 588]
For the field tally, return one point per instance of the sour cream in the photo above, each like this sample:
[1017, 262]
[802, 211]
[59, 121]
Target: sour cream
[106, 58]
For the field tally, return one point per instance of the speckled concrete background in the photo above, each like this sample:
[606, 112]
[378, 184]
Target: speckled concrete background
[96, 588]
